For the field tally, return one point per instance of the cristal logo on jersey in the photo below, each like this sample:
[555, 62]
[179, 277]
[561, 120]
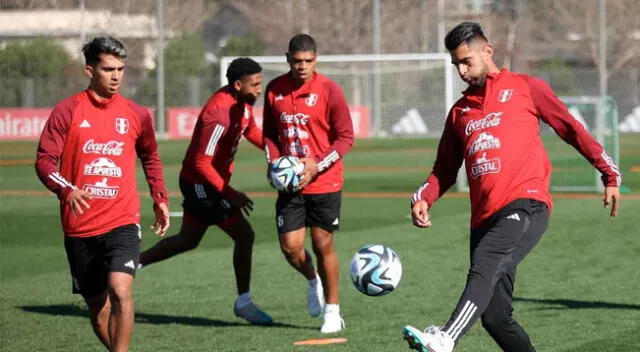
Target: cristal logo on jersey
[108, 148]
[483, 166]
[102, 190]
[491, 120]
[504, 95]
[311, 99]
[122, 125]
[102, 167]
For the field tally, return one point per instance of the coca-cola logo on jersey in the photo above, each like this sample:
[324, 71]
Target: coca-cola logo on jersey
[108, 148]
[297, 118]
[491, 120]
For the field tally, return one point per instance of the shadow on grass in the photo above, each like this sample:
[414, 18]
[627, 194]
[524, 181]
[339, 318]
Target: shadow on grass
[150, 318]
[575, 304]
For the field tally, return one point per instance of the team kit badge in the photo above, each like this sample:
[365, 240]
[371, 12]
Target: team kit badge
[122, 125]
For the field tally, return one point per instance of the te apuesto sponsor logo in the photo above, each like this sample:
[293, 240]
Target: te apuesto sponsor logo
[102, 167]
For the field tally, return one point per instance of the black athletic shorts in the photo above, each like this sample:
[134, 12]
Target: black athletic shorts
[206, 204]
[91, 259]
[297, 210]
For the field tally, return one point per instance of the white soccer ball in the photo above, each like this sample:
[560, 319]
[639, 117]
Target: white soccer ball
[376, 270]
[284, 173]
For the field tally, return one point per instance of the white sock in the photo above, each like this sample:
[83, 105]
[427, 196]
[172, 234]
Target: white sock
[332, 308]
[243, 299]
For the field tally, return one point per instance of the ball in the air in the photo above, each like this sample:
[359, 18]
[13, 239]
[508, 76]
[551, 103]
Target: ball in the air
[376, 270]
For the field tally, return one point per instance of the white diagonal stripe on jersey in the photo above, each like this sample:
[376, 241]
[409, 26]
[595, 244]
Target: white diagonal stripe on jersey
[613, 167]
[200, 191]
[57, 178]
[328, 160]
[462, 319]
[418, 194]
[213, 141]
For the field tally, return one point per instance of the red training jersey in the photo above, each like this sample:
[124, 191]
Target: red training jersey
[221, 123]
[96, 143]
[495, 130]
[311, 121]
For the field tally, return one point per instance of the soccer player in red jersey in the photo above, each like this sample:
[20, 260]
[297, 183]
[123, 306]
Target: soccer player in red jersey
[307, 116]
[204, 181]
[95, 137]
[494, 130]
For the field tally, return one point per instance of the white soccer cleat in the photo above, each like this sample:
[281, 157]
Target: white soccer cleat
[251, 313]
[431, 340]
[315, 299]
[333, 323]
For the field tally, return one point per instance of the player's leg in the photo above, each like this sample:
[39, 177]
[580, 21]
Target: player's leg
[201, 208]
[121, 320]
[323, 216]
[291, 225]
[89, 278]
[188, 238]
[498, 317]
[239, 229]
[121, 252]
[492, 254]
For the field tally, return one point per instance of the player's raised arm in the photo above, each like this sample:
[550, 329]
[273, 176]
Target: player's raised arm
[553, 111]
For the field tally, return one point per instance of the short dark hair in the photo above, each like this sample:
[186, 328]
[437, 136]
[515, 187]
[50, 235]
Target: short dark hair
[302, 42]
[464, 33]
[241, 67]
[102, 45]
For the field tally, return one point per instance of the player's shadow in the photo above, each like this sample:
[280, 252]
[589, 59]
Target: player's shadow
[150, 318]
[575, 304]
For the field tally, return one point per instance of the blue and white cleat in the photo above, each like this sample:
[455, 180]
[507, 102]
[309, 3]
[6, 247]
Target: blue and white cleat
[431, 340]
[315, 299]
[251, 313]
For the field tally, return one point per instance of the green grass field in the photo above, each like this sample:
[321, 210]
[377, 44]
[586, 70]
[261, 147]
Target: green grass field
[577, 291]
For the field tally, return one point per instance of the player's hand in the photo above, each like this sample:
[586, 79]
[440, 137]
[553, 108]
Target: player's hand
[241, 201]
[612, 198]
[161, 225]
[420, 214]
[308, 173]
[77, 200]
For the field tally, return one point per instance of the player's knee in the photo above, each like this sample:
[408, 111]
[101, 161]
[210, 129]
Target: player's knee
[323, 246]
[495, 322]
[246, 239]
[188, 243]
[292, 252]
[120, 295]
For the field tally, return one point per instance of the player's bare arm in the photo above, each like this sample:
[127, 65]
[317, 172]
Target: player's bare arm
[161, 224]
[309, 172]
[77, 200]
[612, 199]
[420, 214]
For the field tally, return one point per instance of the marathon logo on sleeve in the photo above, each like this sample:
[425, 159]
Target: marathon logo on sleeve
[102, 190]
